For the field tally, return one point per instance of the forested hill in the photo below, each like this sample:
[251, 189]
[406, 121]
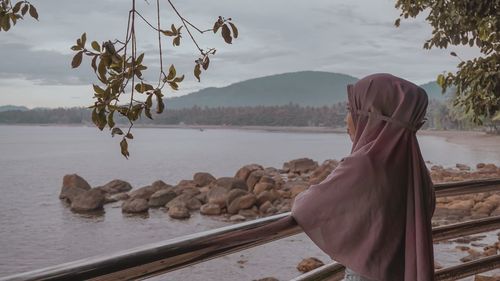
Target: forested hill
[305, 88]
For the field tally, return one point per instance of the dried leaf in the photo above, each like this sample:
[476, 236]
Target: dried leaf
[96, 46]
[235, 30]
[33, 12]
[177, 41]
[129, 136]
[124, 148]
[206, 62]
[171, 72]
[17, 7]
[226, 34]
[160, 105]
[111, 122]
[24, 10]
[197, 72]
[116, 131]
[77, 60]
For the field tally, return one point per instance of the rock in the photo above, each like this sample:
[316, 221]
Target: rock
[480, 165]
[161, 197]
[479, 277]
[241, 202]
[179, 212]
[218, 195]
[296, 187]
[203, 179]
[237, 218]
[309, 264]
[483, 208]
[254, 178]
[193, 204]
[462, 167]
[245, 171]
[159, 185]
[267, 195]
[116, 186]
[262, 186]
[210, 209]
[301, 165]
[135, 205]
[72, 186]
[90, 200]
[490, 251]
[265, 206]
[179, 200]
[202, 196]
[144, 192]
[233, 194]
[229, 183]
[437, 265]
[248, 213]
[109, 198]
[267, 179]
[191, 190]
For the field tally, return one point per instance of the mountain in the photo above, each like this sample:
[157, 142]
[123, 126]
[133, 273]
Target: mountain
[12, 107]
[311, 88]
[306, 88]
[434, 91]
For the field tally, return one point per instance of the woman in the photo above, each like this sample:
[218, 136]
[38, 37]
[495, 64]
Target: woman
[373, 212]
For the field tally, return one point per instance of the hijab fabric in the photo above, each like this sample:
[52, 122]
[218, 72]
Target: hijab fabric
[373, 212]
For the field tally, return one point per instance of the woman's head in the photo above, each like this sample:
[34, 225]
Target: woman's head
[383, 102]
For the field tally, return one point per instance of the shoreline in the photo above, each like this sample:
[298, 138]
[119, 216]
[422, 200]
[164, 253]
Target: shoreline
[479, 139]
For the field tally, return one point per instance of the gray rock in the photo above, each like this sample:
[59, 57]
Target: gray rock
[116, 186]
[203, 179]
[179, 212]
[109, 198]
[179, 200]
[218, 195]
[161, 197]
[242, 202]
[237, 218]
[144, 192]
[245, 171]
[233, 194]
[254, 178]
[210, 209]
[193, 204]
[301, 165]
[90, 200]
[72, 186]
[135, 205]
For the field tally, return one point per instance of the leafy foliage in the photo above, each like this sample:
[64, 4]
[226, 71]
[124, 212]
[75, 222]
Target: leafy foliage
[472, 23]
[119, 69]
[10, 14]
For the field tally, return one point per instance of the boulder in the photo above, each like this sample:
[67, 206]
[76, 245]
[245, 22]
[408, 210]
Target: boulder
[254, 178]
[193, 204]
[210, 209]
[296, 187]
[462, 167]
[90, 200]
[218, 195]
[161, 197]
[265, 206]
[203, 179]
[179, 212]
[179, 200]
[135, 205]
[159, 185]
[72, 186]
[301, 165]
[245, 171]
[309, 264]
[237, 218]
[262, 186]
[267, 195]
[233, 194]
[144, 192]
[248, 213]
[116, 186]
[242, 202]
[186, 183]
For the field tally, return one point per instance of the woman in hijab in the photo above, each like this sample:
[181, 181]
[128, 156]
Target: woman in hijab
[373, 212]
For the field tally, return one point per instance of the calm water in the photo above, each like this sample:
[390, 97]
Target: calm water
[36, 230]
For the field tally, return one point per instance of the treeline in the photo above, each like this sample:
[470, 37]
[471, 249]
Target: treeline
[441, 115]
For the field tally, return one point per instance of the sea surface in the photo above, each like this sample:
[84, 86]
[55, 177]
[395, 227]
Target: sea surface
[37, 230]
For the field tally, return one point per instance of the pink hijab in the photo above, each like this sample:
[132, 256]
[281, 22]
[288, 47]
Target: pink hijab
[373, 212]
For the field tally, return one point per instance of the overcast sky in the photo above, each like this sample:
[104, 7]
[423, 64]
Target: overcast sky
[355, 37]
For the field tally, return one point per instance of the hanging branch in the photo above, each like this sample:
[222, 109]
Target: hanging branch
[117, 67]
[9, 13]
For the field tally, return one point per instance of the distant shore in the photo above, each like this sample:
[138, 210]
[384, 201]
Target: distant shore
[481, 140]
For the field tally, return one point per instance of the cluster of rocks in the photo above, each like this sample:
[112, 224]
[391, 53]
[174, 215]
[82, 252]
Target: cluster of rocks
[469, 206]
[254, 191]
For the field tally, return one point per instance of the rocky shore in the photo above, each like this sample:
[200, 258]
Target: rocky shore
[256, 191]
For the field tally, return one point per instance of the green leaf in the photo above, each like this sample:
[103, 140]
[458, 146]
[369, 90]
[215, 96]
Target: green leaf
[84, 39]
[179, 79]
[206, 62]
[226, 34]
[177, 41]
[96, 46]
[33, 12]
[124, 148]
[77, 60]
[149, 101]
[197, 72]
[139, 59]
[234, 29]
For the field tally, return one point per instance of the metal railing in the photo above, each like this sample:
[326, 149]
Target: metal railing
[162, 257]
